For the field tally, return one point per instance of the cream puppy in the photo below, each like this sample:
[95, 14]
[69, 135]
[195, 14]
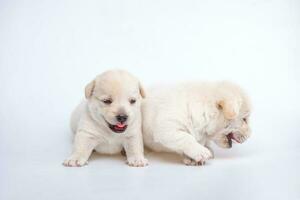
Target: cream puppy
[184, 118]
[109, 120]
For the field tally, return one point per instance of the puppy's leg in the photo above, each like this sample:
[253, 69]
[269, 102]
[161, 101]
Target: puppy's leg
[134, 149]
[185, 144]
[84, 143]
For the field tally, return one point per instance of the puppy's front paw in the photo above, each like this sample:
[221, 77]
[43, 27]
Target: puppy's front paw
[201, 155]
[137, 162]
[75, 161]
[191, 162]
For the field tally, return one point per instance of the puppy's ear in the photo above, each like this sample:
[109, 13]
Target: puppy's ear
[142, 90]
[230, 108]
[89, 89]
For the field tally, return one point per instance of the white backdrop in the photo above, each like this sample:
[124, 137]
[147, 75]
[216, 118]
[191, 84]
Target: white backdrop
[49, 51]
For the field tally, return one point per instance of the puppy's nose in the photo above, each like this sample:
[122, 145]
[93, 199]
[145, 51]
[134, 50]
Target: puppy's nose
[121, 118]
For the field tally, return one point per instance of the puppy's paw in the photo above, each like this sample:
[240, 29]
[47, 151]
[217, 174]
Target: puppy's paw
[137, 162]
[191, 162]
[201, 155]
[75, 161]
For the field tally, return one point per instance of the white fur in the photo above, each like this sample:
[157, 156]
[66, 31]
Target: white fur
[184, 118]
[90, 119]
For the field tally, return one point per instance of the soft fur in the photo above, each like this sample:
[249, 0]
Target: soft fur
[184, 118]
[91, 119]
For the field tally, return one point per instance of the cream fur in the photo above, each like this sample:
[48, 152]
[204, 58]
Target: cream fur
[90, 119]
[184, 118]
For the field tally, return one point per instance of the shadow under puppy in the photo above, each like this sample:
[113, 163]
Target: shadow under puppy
[109, 120]
[185, 118]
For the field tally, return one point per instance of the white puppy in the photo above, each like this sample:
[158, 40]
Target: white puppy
[184, 118]
[109, 120]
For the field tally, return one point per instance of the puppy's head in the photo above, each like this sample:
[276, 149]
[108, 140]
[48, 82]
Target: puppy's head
[235, 108]
[114, 99]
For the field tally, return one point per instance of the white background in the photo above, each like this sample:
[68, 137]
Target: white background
[49, 51]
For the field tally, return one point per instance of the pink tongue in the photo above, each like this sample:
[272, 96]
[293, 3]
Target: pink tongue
[120, 125]
[232, 136]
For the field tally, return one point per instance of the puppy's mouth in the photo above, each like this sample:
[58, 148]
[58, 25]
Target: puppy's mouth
[237, 137]
[118, 127]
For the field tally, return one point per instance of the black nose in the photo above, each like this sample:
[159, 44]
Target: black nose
[121, 118]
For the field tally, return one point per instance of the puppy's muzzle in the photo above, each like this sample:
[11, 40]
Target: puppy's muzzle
[237, 137]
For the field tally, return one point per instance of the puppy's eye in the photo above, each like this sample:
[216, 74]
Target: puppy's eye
[245, 120]
[107, 101]
[132, 101]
